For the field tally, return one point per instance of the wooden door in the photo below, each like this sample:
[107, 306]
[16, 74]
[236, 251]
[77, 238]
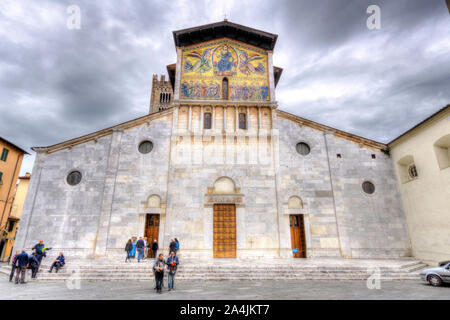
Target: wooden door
[297, 235]
[152, 229]
[224, 241]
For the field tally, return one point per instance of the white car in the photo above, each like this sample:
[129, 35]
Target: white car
[437, 276]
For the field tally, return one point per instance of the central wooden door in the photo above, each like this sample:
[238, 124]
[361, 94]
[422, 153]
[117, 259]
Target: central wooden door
[224, 241]
[152, 229]
[297, 235]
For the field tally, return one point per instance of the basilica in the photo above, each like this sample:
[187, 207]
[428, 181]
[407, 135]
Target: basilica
[219, 165]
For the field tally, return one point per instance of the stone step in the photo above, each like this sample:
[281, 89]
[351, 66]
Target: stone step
[62, 277]
[125, 272]
[225, 270]
[249, 268]
[273, 273]
[151, 279]
[417, 267]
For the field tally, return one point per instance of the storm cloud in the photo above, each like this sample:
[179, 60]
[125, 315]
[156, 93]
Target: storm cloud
[58, 83]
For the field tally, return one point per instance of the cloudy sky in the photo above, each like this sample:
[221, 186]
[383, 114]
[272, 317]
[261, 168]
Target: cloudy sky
[58, 83]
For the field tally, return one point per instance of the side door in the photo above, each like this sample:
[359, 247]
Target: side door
[445, 275]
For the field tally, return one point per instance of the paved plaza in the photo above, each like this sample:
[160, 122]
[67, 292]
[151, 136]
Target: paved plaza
[227, 290]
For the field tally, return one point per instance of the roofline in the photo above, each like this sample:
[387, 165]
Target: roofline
[101, 133]
[127, 124]
[273, 37]
[437, 113]
[343, 134]
[13, 145]
[233, 24]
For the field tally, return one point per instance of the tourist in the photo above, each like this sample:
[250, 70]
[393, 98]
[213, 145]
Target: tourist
[158, 270]
[172, 263]
[13, 265]
[40, 252]
[145, 248]
[22, 264]
[154, 248]
[128, 248]
[172, 246]
[58, 263]
[33, 264]
[177, 247]
[140, 245]
[133, 250]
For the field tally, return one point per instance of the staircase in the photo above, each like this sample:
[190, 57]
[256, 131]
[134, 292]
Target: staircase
[224, 269]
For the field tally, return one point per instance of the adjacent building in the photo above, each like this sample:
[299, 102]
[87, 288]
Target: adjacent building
[219, 166]
[421, 157]
[12, 224]
[11, 157]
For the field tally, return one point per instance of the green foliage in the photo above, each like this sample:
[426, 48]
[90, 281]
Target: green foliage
[386, 151]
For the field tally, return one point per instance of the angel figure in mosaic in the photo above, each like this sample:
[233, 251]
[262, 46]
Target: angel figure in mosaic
[201, 65]
[246, 67]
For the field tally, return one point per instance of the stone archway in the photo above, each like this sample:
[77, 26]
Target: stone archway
[223, 196]
[297, 226]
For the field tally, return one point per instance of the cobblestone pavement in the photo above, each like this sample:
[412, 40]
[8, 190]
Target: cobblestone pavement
[227, 290]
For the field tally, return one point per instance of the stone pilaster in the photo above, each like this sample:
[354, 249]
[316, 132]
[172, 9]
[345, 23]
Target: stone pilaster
[108, 193]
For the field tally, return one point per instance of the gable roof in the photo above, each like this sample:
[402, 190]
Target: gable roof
[225, 29]
[13, 145]
[102, 133]
[338, 133]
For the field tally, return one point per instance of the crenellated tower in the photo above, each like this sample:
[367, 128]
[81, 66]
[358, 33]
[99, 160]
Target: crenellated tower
[162, 94]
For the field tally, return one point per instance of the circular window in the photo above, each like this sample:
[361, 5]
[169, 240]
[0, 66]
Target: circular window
[303, 148]
[146, 147]
[368, 187]
[74, 178]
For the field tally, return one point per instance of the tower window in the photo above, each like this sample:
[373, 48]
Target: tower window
[242, 121]
[164, 97]
[225, 89]
[207, 120]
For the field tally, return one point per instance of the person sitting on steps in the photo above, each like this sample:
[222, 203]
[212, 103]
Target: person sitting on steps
[58, 263]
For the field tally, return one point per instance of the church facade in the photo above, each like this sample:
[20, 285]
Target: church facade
[219, 166]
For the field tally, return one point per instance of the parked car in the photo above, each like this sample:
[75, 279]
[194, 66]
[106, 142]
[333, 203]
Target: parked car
[437, 276]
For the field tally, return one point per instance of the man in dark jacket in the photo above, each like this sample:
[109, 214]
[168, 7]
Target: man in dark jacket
[39, 249]
[58, 263]
[13, 265]
[22, 264]
[172, 246]
[158, 270]
[140, 246]
[154, 248]
[172, 264]
[33, 264]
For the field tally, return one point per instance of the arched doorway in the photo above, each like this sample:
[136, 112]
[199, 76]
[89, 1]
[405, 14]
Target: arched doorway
[224, 221]
[152, 220]
[297, 227]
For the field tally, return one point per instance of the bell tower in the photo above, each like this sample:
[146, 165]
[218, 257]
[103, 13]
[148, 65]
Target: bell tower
[162, 94]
